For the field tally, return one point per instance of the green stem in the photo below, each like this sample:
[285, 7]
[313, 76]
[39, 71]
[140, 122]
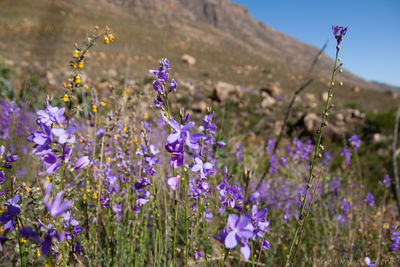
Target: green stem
[314, 160]
[186, 217]
[252, 253]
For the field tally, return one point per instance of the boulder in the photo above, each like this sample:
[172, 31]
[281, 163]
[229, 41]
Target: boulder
[268, 101]
[188, 59]
[225, 90]
[378, 138]
[272, 89]
[312, 122]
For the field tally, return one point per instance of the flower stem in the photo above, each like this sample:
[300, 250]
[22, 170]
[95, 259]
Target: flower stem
[314, 160]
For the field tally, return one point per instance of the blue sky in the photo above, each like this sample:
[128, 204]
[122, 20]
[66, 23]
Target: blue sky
[371, 48]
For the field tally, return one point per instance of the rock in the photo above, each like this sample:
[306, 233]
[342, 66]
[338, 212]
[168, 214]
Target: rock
[225, 90]
[50, 78]
[383, 153]
[9, 62]
[271, 89]
[324, 96]
[340, 117]
[199, 106]
[378, 138]
[188, 59]
[357, 114]
[311, 100]
[277, 127]
[311, 122]
[268, 101]
[112, 73]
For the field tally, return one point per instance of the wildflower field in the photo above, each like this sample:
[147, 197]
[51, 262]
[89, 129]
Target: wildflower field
[89, 177]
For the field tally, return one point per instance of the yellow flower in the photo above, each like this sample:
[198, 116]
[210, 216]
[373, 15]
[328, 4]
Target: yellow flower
[108, 160]
[77, 79]
[284, 247]
[48, 179]
[135, 139]
[103, 104]
[74, 65]
[94, 108]
[76, 53]
[80, 65]
[385, 226]
[38, 254]
[94, 196]
[84, 197]
[86, 87]
[111, 37]
[124, 129]
[66, 98]
[145, 116]
[106, 40]
[1, 229]
[378, 214]
[115, 137]
[23, 240]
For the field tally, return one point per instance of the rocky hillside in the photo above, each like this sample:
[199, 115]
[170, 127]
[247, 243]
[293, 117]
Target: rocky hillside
[233, 20]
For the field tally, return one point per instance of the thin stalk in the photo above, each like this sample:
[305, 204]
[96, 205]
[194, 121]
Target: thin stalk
[314, 160]
[157, 251]
[252, 254]
[186, 217]
[174, 233]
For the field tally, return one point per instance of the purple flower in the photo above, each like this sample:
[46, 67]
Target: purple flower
[47, 243]
[56, 207]
[259, 221]
[370, 200]
[239, 154]
[173, 182]
[204, 168]
[386, 181]
[368, 262]
[51, 115]
[172, 85]
[355, 142]
[265, 245]
[81, 163]
[141, 201]
[270, 147]
[274, 164]
[240, 229]
[198, 255]
[395, 238]
[339, 32]
[177, 159]
[27, 232]
[65, 136]
[8, 218]
[2, 178]
[346, 154]
[68, 220]
[52, 162]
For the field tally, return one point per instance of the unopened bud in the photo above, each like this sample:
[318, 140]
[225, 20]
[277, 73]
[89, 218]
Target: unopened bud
[341, 84]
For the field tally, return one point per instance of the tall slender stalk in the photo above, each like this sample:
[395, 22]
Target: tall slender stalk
[314, 160]
[186, 217]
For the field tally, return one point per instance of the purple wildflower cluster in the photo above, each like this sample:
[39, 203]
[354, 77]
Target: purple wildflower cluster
[339, 32]
[241, 229]
[161, 83]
